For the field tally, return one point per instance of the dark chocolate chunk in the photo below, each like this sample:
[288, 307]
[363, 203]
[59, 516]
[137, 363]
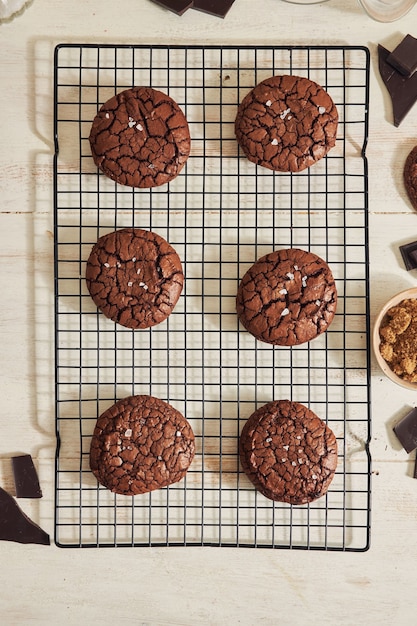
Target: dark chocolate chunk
[402, 89]
[415, 468]
[176, 6]
[16, 526]
[406, 431]
[409, 255]
[219, 8]
[404, 57]
[25, 477]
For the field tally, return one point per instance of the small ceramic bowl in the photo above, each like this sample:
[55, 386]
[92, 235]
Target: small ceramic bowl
[305, 1]
[408, 294]
[10, 9]
[387, 10]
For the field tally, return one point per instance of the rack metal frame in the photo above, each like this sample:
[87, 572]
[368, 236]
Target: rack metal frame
[221, 214]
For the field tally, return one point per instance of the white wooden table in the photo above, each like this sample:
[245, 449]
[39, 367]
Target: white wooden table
[188, 586]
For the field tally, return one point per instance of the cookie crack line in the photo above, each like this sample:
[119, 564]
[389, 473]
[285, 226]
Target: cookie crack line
[301, 306]
[290, 299]
[296, 126]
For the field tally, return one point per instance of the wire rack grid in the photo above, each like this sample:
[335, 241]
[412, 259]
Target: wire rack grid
[221, 214]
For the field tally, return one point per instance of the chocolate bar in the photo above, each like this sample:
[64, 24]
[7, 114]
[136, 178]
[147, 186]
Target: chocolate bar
[401, 87]
[406, 431]
[404, 57]
[219, 8]
[409, 255]
[16, 526]
[25, 477]
[176, 6]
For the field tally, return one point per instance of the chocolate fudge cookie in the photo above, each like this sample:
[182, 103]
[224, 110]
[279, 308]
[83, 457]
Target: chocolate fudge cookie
[140, 138]
[287, 297]
[288, 453]
[410, 176]
[134, 277]
[141, 444]
[286, 123]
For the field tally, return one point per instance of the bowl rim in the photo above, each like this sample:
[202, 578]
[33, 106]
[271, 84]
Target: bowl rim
[381, 11]
[405, 294]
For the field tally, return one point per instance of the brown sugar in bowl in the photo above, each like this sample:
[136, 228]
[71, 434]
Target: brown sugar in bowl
[377, 339]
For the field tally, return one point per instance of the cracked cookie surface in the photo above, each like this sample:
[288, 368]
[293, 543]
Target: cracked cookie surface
[286, 123]
[134, 277]
[288, 453]
[287, 297]
[140, 138]
[140, 444]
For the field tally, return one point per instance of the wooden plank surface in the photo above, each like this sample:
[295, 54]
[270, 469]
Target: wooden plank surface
[178, 586]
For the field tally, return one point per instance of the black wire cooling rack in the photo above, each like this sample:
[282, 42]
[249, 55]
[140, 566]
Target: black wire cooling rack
[221, 213]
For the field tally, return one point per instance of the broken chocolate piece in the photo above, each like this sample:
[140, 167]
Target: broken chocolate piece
[176, 6]
[25, 477]
[406, 431]
[404, 57]
[415, 468]
[409, 255]
[219, 8]
[402, 89]
[16, 526]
